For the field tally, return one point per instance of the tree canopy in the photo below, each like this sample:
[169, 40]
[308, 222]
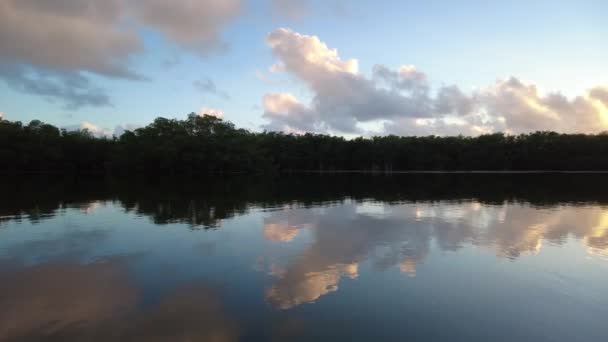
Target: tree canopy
[210, 145]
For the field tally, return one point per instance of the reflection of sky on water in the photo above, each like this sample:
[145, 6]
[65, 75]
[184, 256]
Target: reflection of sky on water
[264, 263]
[403, 236]
[99, 302]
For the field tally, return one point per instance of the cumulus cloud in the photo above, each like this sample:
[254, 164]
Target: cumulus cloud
[402, 101]
[207, 86]
[95, 130]
[342, 95]
[211, 111]
[524, 108]
[48, 47]
[287, 114]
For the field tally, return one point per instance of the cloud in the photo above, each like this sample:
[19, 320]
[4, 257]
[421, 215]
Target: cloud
[291, 9]
[98, 35]
[342, 96]
[211, 111]
[525, 109]
[208, 86]
[55, 42]
[287, 114]
[67, 36]
[73, 89]
[299, 9]
[170, 62]
[121, 129]
[193, 25]
[403, 102]
[95, 130]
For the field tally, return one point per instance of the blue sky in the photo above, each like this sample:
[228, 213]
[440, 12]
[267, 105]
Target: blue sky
[554, 46]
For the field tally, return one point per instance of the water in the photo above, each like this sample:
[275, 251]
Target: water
[351, 258]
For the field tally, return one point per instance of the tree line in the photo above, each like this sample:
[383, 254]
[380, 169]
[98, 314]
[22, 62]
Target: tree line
[210, 145]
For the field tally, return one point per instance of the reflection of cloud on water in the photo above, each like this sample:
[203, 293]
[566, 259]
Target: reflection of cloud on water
[67, 245]
[91, 207]
[342, 237]
[408, 266]
[48, 299]
[401, 235]
[308, 287]
[99, 302]
[280, 232]
[284, 225]
[597, 238]
[187, 314]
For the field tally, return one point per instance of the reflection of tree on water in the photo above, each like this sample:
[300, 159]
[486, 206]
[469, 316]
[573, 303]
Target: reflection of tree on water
[205, 202]
[387, 222]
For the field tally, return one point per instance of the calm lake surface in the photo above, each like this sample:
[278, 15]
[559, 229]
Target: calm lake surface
[336, 258]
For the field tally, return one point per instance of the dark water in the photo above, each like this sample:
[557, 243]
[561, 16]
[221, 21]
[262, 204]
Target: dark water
[340, 258]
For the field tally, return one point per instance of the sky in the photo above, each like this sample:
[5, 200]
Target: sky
[350, 68]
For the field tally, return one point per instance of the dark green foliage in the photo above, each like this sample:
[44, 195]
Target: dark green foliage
[209, 145]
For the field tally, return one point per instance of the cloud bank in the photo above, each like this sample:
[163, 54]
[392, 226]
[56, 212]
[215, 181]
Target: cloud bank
[47, 48]
[401, 101]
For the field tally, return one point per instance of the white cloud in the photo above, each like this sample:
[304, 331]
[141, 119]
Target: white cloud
[95, 130]
[287, 114]
[525, 109]
[343, 96]
[211, 111]
[344, 100]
